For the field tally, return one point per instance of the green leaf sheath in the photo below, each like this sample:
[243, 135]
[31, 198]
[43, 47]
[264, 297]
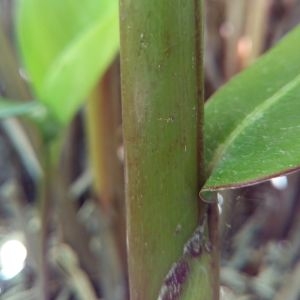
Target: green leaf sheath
[66, 46]
[161, 68]
[252, 124]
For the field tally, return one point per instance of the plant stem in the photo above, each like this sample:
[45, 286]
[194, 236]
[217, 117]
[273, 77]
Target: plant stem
[235, 16]
[10, 79]
[45, 198]
[103, 124]
[162, 88]
[256, 27]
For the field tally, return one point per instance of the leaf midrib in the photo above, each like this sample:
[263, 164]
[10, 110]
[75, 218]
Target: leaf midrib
[250, 119]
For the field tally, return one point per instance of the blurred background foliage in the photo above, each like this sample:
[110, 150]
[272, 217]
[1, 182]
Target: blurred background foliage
[62, 225]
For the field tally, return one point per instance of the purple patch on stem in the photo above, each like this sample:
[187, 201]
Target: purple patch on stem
[174, 281]
[193, 247]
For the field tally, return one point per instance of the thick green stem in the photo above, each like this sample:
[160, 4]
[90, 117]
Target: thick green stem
[162, 89]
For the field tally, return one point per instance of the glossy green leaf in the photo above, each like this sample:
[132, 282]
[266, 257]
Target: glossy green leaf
[66, 47]
[9, 108]
[252, 124]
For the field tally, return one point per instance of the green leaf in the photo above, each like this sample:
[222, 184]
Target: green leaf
[252, 124]
[66, 46]
[10, 108]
